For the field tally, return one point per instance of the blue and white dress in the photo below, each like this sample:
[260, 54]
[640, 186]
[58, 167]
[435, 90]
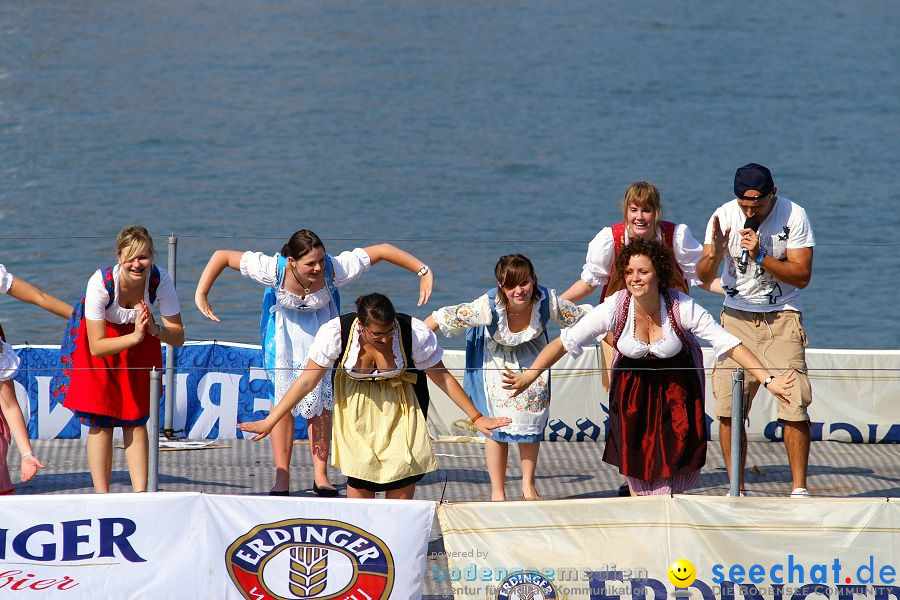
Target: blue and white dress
[289, 322]
[491, 347]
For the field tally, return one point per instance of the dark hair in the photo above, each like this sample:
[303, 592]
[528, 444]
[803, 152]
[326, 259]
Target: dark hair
[658, 253]
[375, 307]
[300, 244]
[512, 270]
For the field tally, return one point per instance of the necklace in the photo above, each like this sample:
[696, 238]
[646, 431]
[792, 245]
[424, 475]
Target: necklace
[647, 316]
[300, 283]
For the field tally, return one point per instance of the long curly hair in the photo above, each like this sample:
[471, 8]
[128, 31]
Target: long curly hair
[659, 254]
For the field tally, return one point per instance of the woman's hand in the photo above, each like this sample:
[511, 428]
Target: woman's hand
[426, 282]
[141, 322]
[782, 385]
[30, 467]
[204, 307]
[487, 424]
[262, 429]
[519, 382]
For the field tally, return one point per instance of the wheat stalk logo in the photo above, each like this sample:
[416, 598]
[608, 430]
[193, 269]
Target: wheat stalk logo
[308, 571]
[528, 592]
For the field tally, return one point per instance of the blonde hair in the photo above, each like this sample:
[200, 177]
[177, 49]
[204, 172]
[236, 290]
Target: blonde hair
[643, 194]
[131, 241]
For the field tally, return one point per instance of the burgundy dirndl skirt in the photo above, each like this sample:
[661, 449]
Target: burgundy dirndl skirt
[657, 422]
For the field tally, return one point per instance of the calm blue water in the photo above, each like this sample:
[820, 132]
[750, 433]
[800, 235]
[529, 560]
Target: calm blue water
[469, 128]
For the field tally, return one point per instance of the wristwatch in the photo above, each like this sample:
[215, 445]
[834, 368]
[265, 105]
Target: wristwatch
[768, 380]
[423, 271]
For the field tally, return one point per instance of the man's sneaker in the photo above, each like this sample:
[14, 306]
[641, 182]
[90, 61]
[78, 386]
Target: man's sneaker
[800, 493]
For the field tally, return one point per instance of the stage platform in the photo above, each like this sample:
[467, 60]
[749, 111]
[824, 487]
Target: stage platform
[565, 470]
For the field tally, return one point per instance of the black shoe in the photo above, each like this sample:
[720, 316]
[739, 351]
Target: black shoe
[623, 491]
[324, 492]
[279, 492]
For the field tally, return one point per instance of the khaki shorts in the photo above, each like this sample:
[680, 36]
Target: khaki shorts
[778, 340]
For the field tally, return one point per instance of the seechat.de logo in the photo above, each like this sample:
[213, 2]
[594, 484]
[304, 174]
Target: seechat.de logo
[529, 585]
[310, 558]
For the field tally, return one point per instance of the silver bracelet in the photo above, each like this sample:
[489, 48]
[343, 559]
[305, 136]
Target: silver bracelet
[27, 454]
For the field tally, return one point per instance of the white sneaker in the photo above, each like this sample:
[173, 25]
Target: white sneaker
[800, 493]
[742, 493]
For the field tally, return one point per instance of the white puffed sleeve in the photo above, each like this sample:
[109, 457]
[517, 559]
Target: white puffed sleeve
[326, 347]
[597, 322]
[601, 255]
[260, 267]
[564, 312]
[6, 280]
[688, 253]
[702, 324]
[349, 265]
[166, 295]
[425, 350]
[96, 297]
[9, 362]
[455, 319]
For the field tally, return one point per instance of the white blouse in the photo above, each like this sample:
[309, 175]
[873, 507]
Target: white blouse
[6, 280]
[262, 268]
[96, 297]
[601, 255]
[326, 348]
[694, 318]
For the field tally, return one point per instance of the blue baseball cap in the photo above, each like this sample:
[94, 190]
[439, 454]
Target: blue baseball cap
[753, 177]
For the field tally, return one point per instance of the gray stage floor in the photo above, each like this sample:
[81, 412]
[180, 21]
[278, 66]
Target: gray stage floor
[565, 470]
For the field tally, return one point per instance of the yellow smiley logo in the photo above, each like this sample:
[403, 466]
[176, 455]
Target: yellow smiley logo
[682, 573]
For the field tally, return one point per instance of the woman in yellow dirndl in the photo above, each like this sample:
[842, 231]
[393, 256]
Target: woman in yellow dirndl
[380, 441]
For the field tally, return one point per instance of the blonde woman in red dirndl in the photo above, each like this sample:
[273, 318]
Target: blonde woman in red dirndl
[117, 342]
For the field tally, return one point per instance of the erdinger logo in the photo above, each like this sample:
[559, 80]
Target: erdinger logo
[527, 585]
[306, 558]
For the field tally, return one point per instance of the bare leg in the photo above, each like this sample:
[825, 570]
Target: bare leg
[528, 454]
[496, 454]
[353, 492]
[99, 455]
[282, 438]
[136, 455]
[319, 444]
[796, 442]
[404, 493]
[725, 443]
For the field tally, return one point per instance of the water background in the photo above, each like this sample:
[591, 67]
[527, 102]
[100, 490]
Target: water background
[459, 131]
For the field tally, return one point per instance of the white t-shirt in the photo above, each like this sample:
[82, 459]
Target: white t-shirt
[96, 297]
[601, 255]
[785, 228]
[694, 319]
[326, 348]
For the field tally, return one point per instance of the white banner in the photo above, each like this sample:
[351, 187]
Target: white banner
[758, 549]
[189, 545]
[854, 399]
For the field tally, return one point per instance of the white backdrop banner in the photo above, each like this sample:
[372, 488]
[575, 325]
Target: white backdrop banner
[755, 549]
[189, 545]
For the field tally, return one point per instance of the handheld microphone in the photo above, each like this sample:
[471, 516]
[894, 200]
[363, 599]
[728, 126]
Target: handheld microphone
[750, 223]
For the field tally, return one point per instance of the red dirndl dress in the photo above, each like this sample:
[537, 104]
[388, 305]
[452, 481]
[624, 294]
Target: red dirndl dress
[657, 421]
[112, 391]
[6, 484]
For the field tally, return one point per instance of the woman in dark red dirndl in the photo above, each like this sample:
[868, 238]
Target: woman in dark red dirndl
[657, 433]
[117, 342]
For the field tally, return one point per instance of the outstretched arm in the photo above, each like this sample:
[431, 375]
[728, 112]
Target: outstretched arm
[24, 291]
[13, 415]
[302, 386]
[780, 387]
[519, 382]
[450, 386]
[401, 258]
[217, 263]
[578, 291]
[430, 323]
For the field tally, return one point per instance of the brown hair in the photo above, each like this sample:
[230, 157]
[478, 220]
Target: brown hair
[300, 244]
[131, 241]
[375, 307]
[643, 194]
[658, 253]
[512, 270]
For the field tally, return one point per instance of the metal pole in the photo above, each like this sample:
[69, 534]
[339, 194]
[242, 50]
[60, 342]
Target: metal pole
[153, 432]
[168, 427]
[737, 429]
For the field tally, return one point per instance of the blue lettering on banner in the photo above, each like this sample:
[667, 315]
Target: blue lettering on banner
[70, 541]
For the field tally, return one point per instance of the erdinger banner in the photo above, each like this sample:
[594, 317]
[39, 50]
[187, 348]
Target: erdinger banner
[219, 385]
[660, 547]
[335, 550]
[189, 545]
[104, 546]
